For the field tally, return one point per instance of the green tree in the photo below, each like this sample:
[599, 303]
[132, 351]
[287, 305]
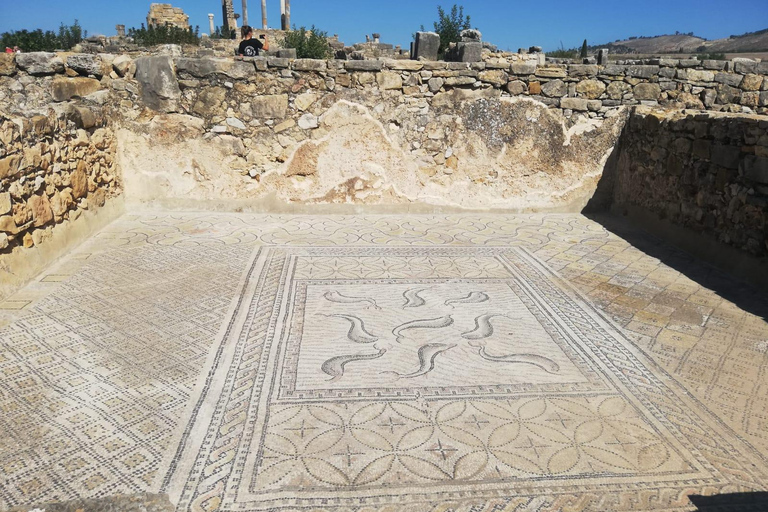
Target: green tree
[309, 44]
[39, 41]
[450, 25]
[584, 50]
[166, 34]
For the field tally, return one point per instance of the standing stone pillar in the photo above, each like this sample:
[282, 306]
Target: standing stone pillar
[211, 25]
[120, 30]
[426, 46]
[245, 12]
[263, 14]
[228, 14]
[282, 15]
[287, 15]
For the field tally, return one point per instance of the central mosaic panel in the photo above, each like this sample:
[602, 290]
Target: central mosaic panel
[403, 376]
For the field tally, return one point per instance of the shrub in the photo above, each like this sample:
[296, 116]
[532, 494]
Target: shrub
[39, 41]
[309, 44]
[167, 34]
[711, 56]
[449, 26]
[584, 50]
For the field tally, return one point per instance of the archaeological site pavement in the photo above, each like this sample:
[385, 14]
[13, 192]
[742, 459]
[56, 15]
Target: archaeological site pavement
[468, 362]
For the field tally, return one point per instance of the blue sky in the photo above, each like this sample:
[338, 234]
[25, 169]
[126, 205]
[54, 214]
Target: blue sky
[507, 23]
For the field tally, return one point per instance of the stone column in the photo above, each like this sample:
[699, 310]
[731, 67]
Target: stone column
[211, 25]
[287, 15]
[264, 14]
[228, 13]
[282, 15]
[120, 30]
[245, 12]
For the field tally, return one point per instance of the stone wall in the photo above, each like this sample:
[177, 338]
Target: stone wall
[704, 171]
[57, 164]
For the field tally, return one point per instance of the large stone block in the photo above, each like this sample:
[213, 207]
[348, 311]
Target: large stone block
[551, 72]
[200, 68]
[642, 71]
[579, 104]
[426, 46]
[40, 63]
[388, 80]
[470, 52]
[364, 65]
[86, 64]
[752, 83]
[273, 106]
[310, 65]
[554, 89]
[7, 64]
[404, 65]
[647, 92]
[64, 89]
[579, 70]
[523, 68]
[697, 75]
[591, 89]
[41, 209]
[731, 79]
[495, 77]
[727, 94]
[159, 87]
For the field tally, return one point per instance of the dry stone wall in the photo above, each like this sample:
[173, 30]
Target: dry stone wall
[57, 157]
[704, 171]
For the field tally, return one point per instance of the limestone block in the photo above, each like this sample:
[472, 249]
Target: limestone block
[41, 209]
[271, 106]
[9, 166]
[523, 68]
[496, 77]
[159, 87]
[534, 88]
[7, 64]
[727, 94]
[457, 81]
[750, 99]
[5, 203]
[591, 89]
[426, 46]
[554, 89]
[304, 101]
[697, 75]
[8, 224]
[642, 71]
[578, 70]
[123, 65]
[404, 65]
[64, 89]
[308, 122]
[645, 91]
[731, 79]
[614, 70]
[208, 66]
[551, 72]
[209, 101]
[79, 181]
[435, 84]
[86, 64]
[516, 87]
[364, 65]
[309, 65]
[744, 66]
[388, 80]
[278, 62]
[752, 83]
[285, 125]
[40, 63]
[579, 104]
[470, 52]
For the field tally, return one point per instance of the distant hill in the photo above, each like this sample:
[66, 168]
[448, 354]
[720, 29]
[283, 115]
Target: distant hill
[689, 43]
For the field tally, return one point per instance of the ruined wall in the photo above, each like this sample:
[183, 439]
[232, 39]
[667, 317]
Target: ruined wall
[57, 165]
[706, 172]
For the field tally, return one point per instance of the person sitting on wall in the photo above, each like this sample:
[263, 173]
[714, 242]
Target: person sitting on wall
[250, 47]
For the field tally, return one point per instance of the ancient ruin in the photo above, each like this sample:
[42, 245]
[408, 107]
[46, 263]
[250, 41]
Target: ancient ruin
[381, 283]
[166, 14]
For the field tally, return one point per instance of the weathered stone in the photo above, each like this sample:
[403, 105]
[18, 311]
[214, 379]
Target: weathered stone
[79, 181]
[7, 64]
[731, 79]
[235, 123]
[285, 125]
[523, 68]
[591, 89]
[435, 84]
[642, 71]
[122, 65]
[9, 166]
[744, 66]
[614, 70]
[388, 80]
[551, 72]
[750, 99]
[645, 91]
[579, 70]
[308, 122]
[496, 77]
[203, 67]
[617, 90]
[304, 101]
[86, 64]
[159, 87]
[755, 168]
[717, 65]
[309, 65]
[209, 101]
[274, 106]
[697, 75]
[516, 87]
[8, 224]
[40, 63]
[426, 46]
[726, 156]
[64, 89]
[457, 81]
[41, 209]
[278, 62]
[5, 203]
[470, 52]
[752, 83]
[534, 88]
[364, 65]
[554, 89]
[727, 94]
[404, 65]
[579, 104]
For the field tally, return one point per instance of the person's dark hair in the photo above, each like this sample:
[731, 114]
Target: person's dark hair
[247, 29]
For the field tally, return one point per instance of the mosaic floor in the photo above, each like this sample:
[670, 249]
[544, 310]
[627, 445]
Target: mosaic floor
[398, 363]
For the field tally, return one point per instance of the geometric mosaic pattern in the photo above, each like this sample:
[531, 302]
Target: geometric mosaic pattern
[252, 362]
